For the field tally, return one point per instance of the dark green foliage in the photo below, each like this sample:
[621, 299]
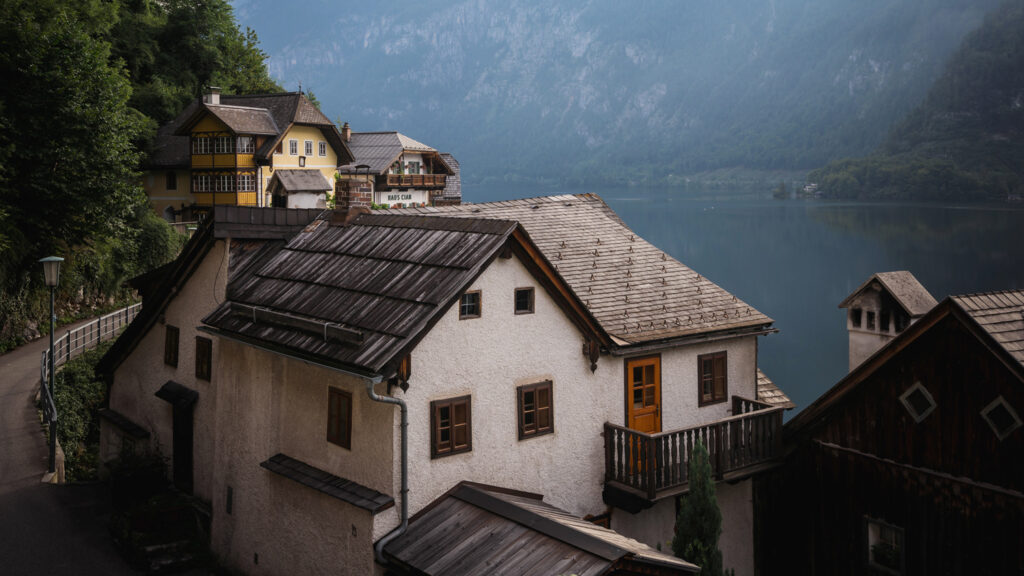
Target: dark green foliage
[966, 140]
[78, 393]
[699, 523]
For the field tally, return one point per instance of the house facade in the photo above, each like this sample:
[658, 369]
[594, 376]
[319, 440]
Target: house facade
[398, 171]
[911, 463]
[537, 345]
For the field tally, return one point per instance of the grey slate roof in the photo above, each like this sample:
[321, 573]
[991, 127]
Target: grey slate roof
[904, 287]
[1001, 314]
[769, 393]
[331, 485]
[300, 181]
[377, 283]
[452, 184]
[379, 150]
[475, 529]
[634, 290]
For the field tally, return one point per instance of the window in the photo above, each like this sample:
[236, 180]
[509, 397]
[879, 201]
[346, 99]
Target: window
[714, 385]
[204, 358]
[224, 145]
[323, 148]
[1001, 417]
[201, 145]
[450, 427]
[883, 320]
[308, 147]
[918, 401]
[246, 182]
[469, 305]
[855, 317]
[302, 161]
[339, 417]
[201, 183]
[536, 414]
[172, 180]
[246, 145]
[414, 167]
[885, 547]
[524, 300]
[171, 346]
[224, 183]
[871, 320]
[293, 147]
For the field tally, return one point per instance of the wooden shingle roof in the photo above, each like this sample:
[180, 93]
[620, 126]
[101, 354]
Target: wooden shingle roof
[476, 529]
[299, 181]
[637, 292]
[769, 393]
[903, 287]
[359, 295]
[245, 119]
[1001, 314]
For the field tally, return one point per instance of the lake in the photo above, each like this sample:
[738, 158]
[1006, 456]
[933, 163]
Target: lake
[795, 260]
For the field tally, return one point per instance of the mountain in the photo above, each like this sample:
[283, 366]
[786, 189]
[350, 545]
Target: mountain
[612, 92]
[966, 140]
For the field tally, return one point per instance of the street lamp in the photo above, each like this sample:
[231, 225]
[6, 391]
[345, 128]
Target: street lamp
[51, 272]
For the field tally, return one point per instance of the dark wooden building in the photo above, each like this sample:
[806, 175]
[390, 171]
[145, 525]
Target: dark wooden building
[914, 462]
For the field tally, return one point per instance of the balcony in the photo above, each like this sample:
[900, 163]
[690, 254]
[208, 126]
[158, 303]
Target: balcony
[641, 469]
[417, 180]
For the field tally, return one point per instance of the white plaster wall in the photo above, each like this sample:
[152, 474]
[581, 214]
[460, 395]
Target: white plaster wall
[144, 372]
[307, 200]
[654, 526]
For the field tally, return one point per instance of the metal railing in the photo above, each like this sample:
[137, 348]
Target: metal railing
[651, 463]
[72, 344]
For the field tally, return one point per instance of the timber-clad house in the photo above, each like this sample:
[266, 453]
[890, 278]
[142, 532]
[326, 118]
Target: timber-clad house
[538, 349]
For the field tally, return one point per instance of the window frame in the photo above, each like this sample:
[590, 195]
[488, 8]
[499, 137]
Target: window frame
[322, 148]
[911, 409]
[515, 300]
[171, 180]
[202, 183]
[223, 145]
[204, 358]
[702, 399]
[249, 146]
[479, 304]
[437, 447]
[339, 434]
[307, 147]
[201, 145]
[246, 182]
[293, 147]
[172, 336]
[987, 411]
[521, 412]
[900, 538]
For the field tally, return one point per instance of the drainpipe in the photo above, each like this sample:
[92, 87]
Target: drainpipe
[378, 549]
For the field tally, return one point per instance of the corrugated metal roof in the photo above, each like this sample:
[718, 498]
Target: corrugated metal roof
[1001, 314]
[903, 287]
[299, 181]
[769, 393]
[475, 529]
[637, 292]
[386, 277]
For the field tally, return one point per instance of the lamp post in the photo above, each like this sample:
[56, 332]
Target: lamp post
[51, 272]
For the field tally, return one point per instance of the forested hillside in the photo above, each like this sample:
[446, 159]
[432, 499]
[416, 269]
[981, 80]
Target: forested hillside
[966, 140]
[606, 92]
[85, 82]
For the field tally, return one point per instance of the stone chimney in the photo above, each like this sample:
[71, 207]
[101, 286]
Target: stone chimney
[212, 96]
[346, 132]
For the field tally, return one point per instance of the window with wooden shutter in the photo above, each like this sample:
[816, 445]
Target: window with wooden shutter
[450, 427]
[171, 346]
[536, 410]
[204, 358]
[712, 377]
[339, 417]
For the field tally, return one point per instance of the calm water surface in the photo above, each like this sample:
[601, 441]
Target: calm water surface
[795, 260]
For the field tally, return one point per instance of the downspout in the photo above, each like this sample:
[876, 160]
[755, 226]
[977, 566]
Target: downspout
[378, 548]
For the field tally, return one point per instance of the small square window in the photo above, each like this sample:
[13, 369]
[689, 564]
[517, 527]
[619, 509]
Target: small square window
[323, 148]
[171, 346]
[470, 305]
[524, 300]
[204, 358]
[918, 402]
[450, 427]
[302, 161]
[1001, 417]
[339, 417]
[293, 147]
[536, 410]
[885, 547]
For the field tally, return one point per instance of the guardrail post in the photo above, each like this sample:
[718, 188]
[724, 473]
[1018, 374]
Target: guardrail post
[67, 346]
[651, 462]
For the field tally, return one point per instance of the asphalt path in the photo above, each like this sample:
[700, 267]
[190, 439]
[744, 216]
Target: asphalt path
[44, 528]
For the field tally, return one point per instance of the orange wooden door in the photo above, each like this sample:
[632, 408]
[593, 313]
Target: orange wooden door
[643, 394]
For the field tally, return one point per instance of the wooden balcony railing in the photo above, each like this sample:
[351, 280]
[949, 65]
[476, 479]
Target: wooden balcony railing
[426, 180]
[656, 465]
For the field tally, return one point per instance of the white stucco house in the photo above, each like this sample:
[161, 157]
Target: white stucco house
[360, 372]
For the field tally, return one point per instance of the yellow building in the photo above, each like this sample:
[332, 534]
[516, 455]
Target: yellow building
[223, 150]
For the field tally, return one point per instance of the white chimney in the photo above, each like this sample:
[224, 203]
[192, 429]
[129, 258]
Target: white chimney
[212, 96]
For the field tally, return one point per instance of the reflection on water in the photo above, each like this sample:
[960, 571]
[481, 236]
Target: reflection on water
[796, 260]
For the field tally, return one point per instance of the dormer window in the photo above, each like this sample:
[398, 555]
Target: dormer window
[918, 402]
[1001, 417]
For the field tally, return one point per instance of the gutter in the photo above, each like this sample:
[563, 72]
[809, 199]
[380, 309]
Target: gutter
[692, 339]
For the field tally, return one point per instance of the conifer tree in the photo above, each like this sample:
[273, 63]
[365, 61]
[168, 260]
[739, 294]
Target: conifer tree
[699, 523]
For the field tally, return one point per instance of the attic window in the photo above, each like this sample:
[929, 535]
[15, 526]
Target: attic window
[469, 305]
[524, 300]
[1001, 417]
[918, 402]
[871, 320]
[855, 317]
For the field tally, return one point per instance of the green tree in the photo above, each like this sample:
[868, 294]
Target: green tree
[699, 523]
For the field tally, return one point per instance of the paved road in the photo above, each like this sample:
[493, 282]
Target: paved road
[44, 528]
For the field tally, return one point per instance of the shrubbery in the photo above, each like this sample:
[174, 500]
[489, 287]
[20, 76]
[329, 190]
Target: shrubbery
[78, 393]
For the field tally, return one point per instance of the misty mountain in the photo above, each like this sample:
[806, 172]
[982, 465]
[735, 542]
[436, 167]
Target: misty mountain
[613, 92]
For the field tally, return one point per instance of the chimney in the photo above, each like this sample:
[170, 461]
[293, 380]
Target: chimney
[212, 96]
[346, 132]
[351, 194]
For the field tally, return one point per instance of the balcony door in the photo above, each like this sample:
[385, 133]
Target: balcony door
[643, 394]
